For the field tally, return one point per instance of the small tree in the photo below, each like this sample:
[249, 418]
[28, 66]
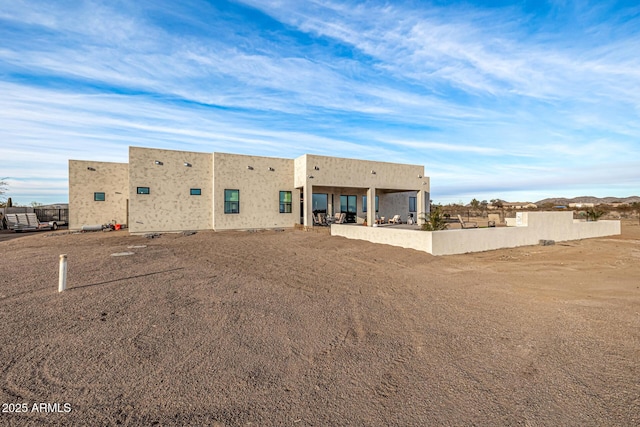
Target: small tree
[3, 189]
[475, 204]
[497, 203]
[435, 221]
[594, 215]
[636, 207]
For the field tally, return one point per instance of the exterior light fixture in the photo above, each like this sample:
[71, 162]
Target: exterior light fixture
[310, 177]
[373, 172]
[91, 169]
[316, 168]
[271, 169]
[187, 164]
[250, 168]
[159, 163]
[424, 183]
[420, 176]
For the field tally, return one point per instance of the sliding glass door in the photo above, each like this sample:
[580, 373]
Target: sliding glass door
[348, 205]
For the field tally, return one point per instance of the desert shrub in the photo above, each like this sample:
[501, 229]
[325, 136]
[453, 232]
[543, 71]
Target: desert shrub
[593, 214]
[434, 221]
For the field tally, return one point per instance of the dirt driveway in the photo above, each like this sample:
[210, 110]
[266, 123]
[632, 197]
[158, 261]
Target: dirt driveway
[304, 329]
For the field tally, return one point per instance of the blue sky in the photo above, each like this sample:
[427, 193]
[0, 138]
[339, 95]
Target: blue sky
[518, 100]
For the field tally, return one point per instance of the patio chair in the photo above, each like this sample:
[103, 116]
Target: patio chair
[395, 220]
[342, 218]
[468, 224]
[494, 220]
[12, 220]
[322, 220]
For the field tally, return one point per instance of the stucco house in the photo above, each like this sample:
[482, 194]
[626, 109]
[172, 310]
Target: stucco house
[162, 190]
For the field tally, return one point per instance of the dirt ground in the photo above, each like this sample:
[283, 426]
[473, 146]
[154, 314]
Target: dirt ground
[304, 329]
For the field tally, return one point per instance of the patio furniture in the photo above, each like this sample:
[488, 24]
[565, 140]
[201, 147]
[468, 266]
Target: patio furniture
[494, 220]
[468, 224]
[395, 220]
[342, 218]
[322, 220]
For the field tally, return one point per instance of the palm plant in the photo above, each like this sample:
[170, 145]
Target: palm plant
[434, 221]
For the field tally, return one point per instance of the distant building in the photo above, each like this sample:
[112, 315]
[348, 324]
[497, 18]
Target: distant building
[581, 205]
[519, 205]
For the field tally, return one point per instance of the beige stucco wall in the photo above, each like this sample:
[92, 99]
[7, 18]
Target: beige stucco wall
[558, 226]
[259, 191]
[108, 178]
[397, 204]
[169, 205]
[409, 239]
[339, 172]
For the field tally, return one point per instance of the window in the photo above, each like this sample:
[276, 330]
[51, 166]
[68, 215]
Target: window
[364, 203]
[412, 204]
[320, 203]
[348, 204]
[143, 190]
[195, 191]
[231, 201]
[285, 202]
[98, 197]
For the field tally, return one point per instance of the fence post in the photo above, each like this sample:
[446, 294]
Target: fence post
[62, 276]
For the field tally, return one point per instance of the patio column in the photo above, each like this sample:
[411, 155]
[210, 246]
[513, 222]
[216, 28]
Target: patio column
[307, 205]
[371, 206]
[423, 207]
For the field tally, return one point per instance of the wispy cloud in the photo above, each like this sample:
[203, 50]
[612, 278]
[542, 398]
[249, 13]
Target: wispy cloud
[491, 100]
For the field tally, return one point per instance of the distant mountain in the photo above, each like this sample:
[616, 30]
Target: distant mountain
[589, 199]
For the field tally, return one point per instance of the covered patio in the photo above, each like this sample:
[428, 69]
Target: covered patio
[363, 190]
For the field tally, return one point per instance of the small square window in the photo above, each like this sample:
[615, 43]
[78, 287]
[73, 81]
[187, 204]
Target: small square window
[195, 191]
[98, 197]
[143, 190]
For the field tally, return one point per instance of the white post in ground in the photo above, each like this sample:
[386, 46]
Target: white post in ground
[62, 276]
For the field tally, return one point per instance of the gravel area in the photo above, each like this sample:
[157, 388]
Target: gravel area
[276, 328]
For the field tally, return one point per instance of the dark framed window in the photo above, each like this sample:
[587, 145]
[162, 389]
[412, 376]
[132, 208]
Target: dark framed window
[412, 204]
[231, 201]
[98, 197]
[143, 190]
[285, 201]
[364, 203]
[348, 204]
[195, 191]
[320, 203]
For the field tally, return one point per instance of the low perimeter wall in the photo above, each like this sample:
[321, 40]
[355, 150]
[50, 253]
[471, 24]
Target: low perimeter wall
[531, 228]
